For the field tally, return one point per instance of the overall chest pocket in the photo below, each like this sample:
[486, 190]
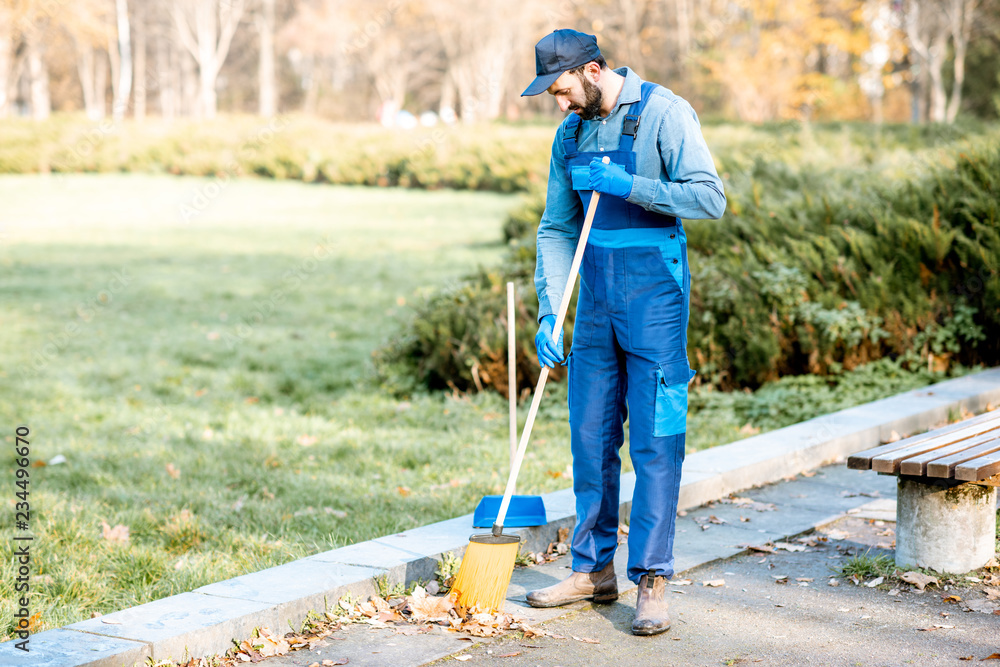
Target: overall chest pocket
[671, 404]
[580, 176]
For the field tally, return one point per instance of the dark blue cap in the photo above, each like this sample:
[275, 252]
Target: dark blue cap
[558, 52]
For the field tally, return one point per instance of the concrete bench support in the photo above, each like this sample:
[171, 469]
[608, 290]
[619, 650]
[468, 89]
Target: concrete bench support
[947, 527]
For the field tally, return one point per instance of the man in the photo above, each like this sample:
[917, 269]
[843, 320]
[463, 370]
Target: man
[630, 335]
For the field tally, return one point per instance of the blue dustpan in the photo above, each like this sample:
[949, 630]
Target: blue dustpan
[522, 511]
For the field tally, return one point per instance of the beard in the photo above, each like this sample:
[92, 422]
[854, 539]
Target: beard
[593, 97]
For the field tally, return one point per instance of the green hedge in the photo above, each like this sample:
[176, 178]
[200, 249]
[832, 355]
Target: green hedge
[490, 157]
[814, 269]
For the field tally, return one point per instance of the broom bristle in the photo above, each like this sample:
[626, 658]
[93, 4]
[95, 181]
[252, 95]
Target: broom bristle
[484, 575]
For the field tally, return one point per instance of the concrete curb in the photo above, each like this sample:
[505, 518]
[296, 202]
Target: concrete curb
[204, 621]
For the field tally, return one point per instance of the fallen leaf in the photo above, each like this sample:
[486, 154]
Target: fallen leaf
[838, 534]
[587, 640]
[951, 599]
[833, 582]
[992, 656]
[803, 579]
[992, 593]
[339, 661]
[919, 580]
[562, 534]
[789, 547]
[780, 578]
[967, 657]
[680, 582]
[714, 583]
[762, 549]
[875, 582]
[532, 632]
[306, 440]
[509, 655]
[463, 658]
[716, 520]
[982, 606]
[426, 607]
[173, 471]
[753, 504]
[403, 490]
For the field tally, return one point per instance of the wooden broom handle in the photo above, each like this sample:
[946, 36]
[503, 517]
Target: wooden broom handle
[536, 400]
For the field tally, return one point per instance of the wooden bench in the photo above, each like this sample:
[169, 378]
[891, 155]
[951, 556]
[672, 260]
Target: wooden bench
[946, 498]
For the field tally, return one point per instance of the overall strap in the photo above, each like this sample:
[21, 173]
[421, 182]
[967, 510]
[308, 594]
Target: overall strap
[570, 134]
[631, 123]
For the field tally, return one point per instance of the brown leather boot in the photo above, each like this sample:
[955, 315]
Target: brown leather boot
[597, 586]
[651, 615]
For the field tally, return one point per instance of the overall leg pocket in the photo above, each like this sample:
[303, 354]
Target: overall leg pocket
[671, 405]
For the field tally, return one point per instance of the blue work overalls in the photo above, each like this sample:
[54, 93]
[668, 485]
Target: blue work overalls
[629, 348]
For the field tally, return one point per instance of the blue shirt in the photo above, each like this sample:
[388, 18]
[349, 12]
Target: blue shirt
[675, 175]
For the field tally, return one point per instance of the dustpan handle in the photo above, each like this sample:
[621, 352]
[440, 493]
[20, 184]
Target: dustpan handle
[511, 373]
[536, 399]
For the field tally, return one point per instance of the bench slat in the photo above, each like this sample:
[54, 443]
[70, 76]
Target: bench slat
[890, 462]
[917, 465]
[979, 468]
[863, 460]
[945, 467]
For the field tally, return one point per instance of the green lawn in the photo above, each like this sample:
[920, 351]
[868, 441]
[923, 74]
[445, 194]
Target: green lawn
[207, 377]
[207, 380]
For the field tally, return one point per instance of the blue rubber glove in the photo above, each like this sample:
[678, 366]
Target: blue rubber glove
[610, 179]
[549, 348]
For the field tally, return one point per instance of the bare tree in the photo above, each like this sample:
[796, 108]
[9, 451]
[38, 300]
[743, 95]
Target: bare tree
[38, 75]
[6, 54]
[478, 39]
[961, 14]
[123, 87]
[267, 101]
[206, 29]
[140, 77]
[927, 33]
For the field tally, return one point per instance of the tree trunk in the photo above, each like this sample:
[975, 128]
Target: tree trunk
[938, 52]
[268, 93]
[189, 84]
[683, 30]
[85, 68]
[310, 81]
[206, 42]
[141, 80]
[166, 77]
[38, 74]
[961, 14]
[101, 66]
[6, 61]
[124, 88]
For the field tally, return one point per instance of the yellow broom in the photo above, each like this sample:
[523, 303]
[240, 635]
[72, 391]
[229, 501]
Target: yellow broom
[488, 563]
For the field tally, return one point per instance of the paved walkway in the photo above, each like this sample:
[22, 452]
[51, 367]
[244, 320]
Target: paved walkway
[750, 619]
